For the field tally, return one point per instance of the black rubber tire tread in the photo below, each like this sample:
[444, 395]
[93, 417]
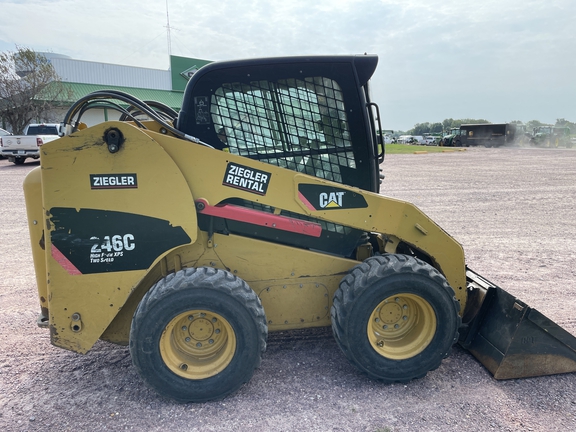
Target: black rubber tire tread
[188, 289]
[352, 307]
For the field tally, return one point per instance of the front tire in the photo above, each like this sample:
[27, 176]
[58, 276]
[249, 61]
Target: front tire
[198, 335]
[395, 317]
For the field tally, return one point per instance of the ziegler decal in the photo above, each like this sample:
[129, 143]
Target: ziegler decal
[113, 181]
[246, 178]
[97, 241]
[319, 197]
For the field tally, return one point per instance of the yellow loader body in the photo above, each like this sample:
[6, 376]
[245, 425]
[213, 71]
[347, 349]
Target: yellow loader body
[296, 286]
[256, 208]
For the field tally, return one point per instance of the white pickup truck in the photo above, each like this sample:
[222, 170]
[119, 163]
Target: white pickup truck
[17, 148]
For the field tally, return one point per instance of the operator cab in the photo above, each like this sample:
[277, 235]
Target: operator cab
[307, 114]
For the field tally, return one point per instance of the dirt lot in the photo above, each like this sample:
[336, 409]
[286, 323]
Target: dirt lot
[514, 211]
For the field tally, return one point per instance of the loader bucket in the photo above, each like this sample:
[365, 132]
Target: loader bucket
[512, 340]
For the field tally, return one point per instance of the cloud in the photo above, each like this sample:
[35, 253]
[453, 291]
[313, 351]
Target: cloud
[499, 60]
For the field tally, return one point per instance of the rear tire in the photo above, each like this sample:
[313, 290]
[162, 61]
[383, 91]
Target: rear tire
[395, 317]
[198, 335]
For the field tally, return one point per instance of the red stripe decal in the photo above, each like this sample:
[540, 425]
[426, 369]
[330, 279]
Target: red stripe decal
[305, 201]
[64, 262]
[261, 218]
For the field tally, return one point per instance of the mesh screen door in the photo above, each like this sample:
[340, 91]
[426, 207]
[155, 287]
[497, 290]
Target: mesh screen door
[296, 124]
[307, 114]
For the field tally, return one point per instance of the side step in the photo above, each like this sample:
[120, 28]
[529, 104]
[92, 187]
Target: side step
[512, 340]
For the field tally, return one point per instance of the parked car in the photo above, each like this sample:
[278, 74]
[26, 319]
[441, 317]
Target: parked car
[418, 139]
[19, 147]
[388, 139]
[3, 132]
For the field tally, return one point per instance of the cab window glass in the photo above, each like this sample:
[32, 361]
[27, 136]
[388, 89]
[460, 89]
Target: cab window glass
[297, 124]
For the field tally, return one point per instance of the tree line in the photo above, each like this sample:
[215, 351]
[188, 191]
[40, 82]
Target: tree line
[447, 124]
[30, 89]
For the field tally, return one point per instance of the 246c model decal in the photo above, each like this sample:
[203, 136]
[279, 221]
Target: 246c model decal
[89, 241]
[111, 247]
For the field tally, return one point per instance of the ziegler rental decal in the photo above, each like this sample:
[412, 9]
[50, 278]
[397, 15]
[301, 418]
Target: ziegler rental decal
[320, 197]
[246, 178]
[113, 181]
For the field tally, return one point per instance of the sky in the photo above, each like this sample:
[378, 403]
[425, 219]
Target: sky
[499, 60]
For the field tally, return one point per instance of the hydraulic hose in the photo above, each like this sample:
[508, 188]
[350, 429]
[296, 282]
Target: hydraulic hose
[156, 111]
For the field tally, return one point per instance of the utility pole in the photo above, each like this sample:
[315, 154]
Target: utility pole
[168, 32]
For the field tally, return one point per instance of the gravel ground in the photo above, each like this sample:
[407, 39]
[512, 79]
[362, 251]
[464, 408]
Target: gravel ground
[513, 209]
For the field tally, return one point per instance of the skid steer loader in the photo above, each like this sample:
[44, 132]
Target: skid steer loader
[256, 208]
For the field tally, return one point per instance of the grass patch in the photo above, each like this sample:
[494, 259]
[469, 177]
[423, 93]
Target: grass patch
[407, 149]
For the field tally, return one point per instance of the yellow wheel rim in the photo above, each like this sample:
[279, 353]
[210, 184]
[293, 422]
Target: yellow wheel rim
[197, 344]
[401, 326]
